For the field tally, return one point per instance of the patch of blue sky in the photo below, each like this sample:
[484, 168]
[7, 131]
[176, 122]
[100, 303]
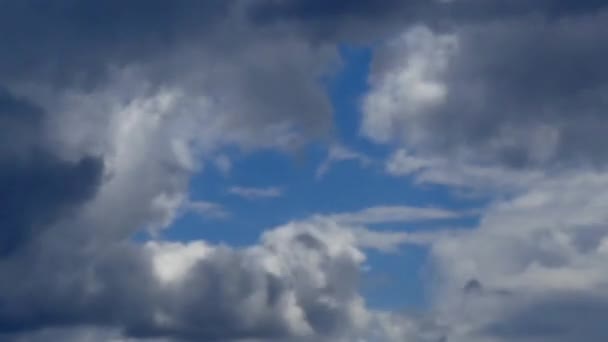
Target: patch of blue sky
[393, 280]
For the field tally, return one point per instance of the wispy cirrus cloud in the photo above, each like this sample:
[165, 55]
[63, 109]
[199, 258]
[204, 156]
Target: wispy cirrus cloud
[337, 154]
[208, 209]
[256, 192]
[395, 214]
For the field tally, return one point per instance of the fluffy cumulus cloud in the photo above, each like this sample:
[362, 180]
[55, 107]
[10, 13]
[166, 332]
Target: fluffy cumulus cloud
[530, 268]
[256, 193]
[108, 108]
[300, 281]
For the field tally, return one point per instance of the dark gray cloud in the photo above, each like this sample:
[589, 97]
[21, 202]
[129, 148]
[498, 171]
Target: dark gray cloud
[62, 292]
[36, 187]
[558, 317]
[72, 59]
[525, 90]
[208, 47]
[533, 74]
[317, 9]
[86, 38]
[366, 21]
[73, 41]
[35, 193]
[360, 21]
[467, 11]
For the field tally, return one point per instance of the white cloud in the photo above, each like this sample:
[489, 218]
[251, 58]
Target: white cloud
[338, 153]
[173, 260]
[394, 214]
[256, 193]
[460, 173]
[409, 84]
[223, 164]
[396, 240]
[208, 209]
[543, 248]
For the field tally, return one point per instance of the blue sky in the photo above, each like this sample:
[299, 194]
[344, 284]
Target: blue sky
[394, 280]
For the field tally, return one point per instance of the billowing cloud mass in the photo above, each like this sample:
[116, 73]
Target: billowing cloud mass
[294, 283]
[108, 108]
[524, 91]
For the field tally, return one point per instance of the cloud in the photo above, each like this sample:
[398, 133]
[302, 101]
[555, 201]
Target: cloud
[107, 109]
[256, 193]
[36, 186]
[223, 164]
[208, 209]
[393, 214]
[344, 21]
[299, 281]
[119, 113]
[411, 86]
[37, 192]
[81, 334]
[338, 154]
[500, 92]
[459, 174]
[556, 319]
[396, 241]
[537, 259]
[505, 104]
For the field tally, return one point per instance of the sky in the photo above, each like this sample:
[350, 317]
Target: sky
[303, 170]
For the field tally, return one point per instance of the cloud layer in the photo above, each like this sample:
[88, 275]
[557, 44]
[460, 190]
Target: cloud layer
[107, 109]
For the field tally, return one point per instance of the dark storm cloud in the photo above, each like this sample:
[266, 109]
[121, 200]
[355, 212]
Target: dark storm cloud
[77, 41]
[198, 47]
[318, 9]
[366, 21]
[359, 21]
[480, 10]
[516, 77]
[36, 187]
[74, 289]
[86, 37]
[34, 193]
[522, 90]
[525, 72]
